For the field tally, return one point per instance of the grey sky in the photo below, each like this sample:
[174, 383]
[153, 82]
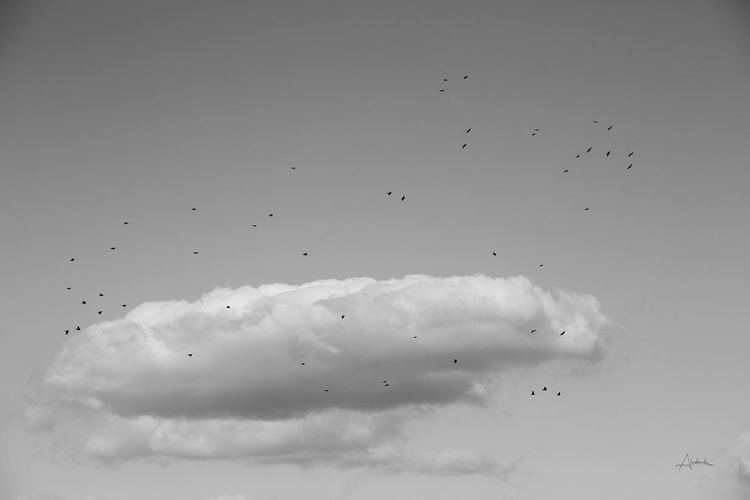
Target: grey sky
[139, 111]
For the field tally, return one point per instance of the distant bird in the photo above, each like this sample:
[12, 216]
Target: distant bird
[68, 288]
[78, 328]
[389, 193]
[195, 253]
[558, 393]
[455, 361]
[608, 153]
[463, 147]
[384, 381]
[532, 331]
[71, 260]
[270, 215]
[415, 336]
[631, 154]
[445, 79]
[566, 171]
[124, 305]
[629, 167]
[545, 388]
[303, 364]
[190, 355]
[386, 385]
[610, 127]
[305, 254]
[532, 393]
[563, 333]
[403, 198]
[326, 390]
[541, 265]
[111, 248]
[228, 307]
[67, 331]
[343, 316]
[83, 302]
[596, 121]
[126, 223]
[578, 156]
[494, 253]
[536, 130]
[101, 294]
[294, 168]
[466, 76]
[533, 134]
[442, 90]
[100, 312]
[255, 225]
[586, 208]
[589, 150]
[193, 208]
[468, 130]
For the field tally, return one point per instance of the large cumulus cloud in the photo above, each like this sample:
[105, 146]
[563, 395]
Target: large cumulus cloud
[245, 393]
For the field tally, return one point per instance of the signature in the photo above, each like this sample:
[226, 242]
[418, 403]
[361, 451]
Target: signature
[690, 463]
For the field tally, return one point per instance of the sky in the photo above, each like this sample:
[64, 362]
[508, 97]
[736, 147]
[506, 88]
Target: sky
[354, 345]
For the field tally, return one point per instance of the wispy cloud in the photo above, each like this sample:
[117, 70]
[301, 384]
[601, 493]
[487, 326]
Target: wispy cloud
[245, 393]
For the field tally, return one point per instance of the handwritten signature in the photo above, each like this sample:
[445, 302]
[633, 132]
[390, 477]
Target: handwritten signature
[690, 463]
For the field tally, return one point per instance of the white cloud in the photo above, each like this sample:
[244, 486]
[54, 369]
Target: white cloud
[741, 452]
[244, 394]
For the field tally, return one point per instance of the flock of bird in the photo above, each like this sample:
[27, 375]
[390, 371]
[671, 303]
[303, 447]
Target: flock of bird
[389, 193]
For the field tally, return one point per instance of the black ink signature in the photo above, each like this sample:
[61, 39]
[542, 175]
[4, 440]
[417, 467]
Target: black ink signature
[690, 463]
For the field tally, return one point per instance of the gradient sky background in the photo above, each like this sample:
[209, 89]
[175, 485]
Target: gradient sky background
[138, 111]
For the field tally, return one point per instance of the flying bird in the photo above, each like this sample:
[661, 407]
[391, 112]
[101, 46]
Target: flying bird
[455, 361]
[442, 90]
[533, 134]
[610, 127]
[386, 385]
[190, 355]
[563, 333]
[578, 156]
[255, 225]
[596, 121]
[466, 76]
[566, 171]
[586, 208]
[415, 336]
[68, 288]
[71, 260]
[558, 393]
[228, 307]
[124, 305]
[464, 146]
[629, 167]
[589, 150]
[468, 130]
[389, 193]
[494, 253]
[101, 294]
[294, 168]
[100, 312]
[67, 331]
[195, 253]
[83, 302]
[270, 215]
[532, 393]
[111, 248]
[545, 388]
[305, 254]
[631, 154]
[126, 223]
[445, 79]
[303, 364]
[541, 265]
[384, 381]
[343, 316]
[193, 208]
[608, 153]
[78, 328]
[532, 331]
[326, 390]
[403, 198]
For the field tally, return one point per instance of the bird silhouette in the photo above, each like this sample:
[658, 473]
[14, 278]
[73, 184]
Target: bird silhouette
[305, 254]
[608, 153]
[389, 193]
[536, 130]
[270, 215]
[578, 156]
[326, 390]
[566, 171]
[610, 127]
[71, 260]
[532, 331]
[126, 223]
[589, 150]
[111, 248]
[442, 90]
[532, 393]
[466, 76]
[294, 168]
[384, 381]
[101, 294]
[463, 147]
[415, 336]
[596, 121]
[541, 265]
[545, 388]
[67, 331]
[190, 355]
[68, 288]
[629, 167]
[255, 225]
[558, 393]
[631, 154]
[403, 198]
[100, 312]
[195, 253]
[303, 364]
[343, 316]
[563, 333]
[494, 253]
[533, 134]
[228, 307]
[455, 361]
[445, 79]
[124, 305]
[468, 130]
[193, 208]
[386, 385]
[78, 328]
[83, 302]
[586, 208]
